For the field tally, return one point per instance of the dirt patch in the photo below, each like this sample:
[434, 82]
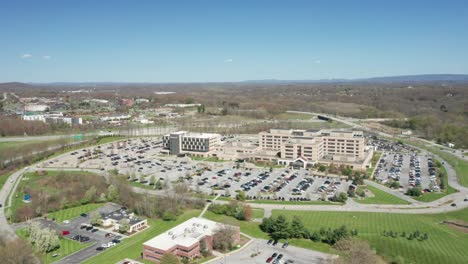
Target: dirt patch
[457, 225]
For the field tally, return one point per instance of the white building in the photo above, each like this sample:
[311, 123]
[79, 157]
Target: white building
[115, 118]
[33, 118]
[183, 141]
[36, 108]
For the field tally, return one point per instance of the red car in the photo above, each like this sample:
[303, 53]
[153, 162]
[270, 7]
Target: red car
[65, 232]
[269, 260]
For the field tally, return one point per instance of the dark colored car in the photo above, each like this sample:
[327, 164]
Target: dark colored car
[84, 215]
[269, 242]
[275, 242]
[274, 255]
[285, 245]
[89, 228]
[94, 230]
[116, 241]
[280, 256]
[99, 248]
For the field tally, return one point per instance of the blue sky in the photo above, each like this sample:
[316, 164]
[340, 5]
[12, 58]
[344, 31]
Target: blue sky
[227, 40]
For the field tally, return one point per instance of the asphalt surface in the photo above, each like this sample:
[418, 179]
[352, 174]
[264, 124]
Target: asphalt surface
[260, 246]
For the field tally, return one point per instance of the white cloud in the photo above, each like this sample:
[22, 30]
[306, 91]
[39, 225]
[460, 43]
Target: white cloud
[46, 57]
[317, 61]
[26, 56]
[228, 60]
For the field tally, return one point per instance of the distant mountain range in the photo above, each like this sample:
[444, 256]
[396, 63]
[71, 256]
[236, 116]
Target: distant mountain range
[422, 78]
[387, 79]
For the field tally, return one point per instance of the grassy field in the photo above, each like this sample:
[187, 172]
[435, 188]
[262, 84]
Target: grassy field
[445, 245]
[258, 213]
[32, 178]
[249, 228]
[67, 247]
[132, 246]
[70, 213]
[380, 197]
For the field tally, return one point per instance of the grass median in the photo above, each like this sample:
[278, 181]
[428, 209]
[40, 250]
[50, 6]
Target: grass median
[380, 197]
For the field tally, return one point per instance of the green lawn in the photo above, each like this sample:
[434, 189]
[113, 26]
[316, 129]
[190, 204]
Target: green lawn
[293, 202]
[4, 178]
[67, 247]
[380, 197]
[249, 228]
[70, 213]
[445, 245]
[132, 247]
[258, 213]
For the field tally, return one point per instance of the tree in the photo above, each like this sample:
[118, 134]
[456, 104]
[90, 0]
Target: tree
[169, 258]
[203, 248]
[247, 212]
[322, 168]
[223, 239]
[112, 192]
[124, 225]
[43, 239]
[90, 195]
[280, 228]
[340, 197]
[298, 229]
[415, 191]
[240, 196]
[355, 251]
[95, 218]
[152, 180]
[16, 251]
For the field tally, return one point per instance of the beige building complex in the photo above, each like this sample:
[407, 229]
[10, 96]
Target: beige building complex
[306, 147]
[287, 147]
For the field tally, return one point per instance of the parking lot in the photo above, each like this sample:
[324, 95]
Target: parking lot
[95, 237]
[409, 169]
[281, 255]
[141, 159]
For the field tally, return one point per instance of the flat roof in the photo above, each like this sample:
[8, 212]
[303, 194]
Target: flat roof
[185, 234]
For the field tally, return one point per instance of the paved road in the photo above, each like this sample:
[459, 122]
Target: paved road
[299, 255]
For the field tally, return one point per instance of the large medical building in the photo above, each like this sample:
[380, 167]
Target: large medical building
[309, 146]
[287, 147]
